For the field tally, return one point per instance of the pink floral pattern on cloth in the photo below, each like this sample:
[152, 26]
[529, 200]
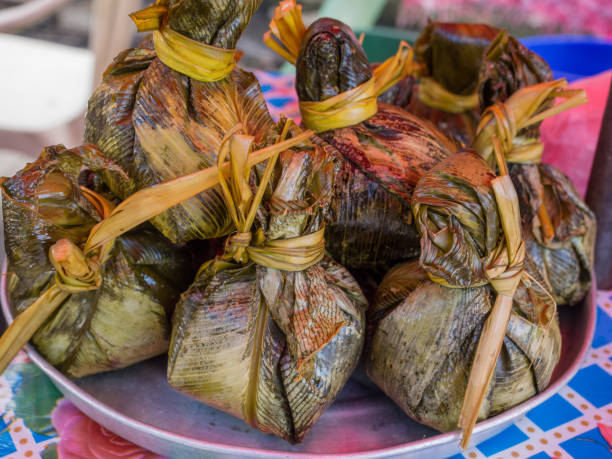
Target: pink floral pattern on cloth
[82, 438]
[279, 91]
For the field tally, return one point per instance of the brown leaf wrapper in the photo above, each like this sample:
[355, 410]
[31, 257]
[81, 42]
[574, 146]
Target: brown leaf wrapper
[158, 124]
[124, 321]
[423, 335]
[270, 346]
[565, 256]
[468, 59]
[369, 224]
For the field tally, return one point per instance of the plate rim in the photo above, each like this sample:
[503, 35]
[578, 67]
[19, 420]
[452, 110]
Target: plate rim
[69, 389]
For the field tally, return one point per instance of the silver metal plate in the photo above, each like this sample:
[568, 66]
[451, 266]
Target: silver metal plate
[138, 404]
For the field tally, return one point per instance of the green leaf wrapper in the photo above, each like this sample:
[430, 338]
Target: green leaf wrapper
[423, 343]
[423, 334]
[269, 346]
[369, 224]
[127, 319]
[565, 261]
[158, 124]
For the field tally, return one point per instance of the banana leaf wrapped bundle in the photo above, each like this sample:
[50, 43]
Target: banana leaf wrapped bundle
[562, 241]
[162, 113]
[451, 55]
[116, 317]
[383, 150]
[558, 226]
[270, 331]
[465, 68]
[430, 318]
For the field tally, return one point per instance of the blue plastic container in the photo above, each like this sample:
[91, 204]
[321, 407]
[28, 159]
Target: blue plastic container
[572, 56]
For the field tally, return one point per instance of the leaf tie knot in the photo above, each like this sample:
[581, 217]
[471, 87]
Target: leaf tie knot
[434, 95]
[74, 271]
[240, 239]
[292, 254]
[236, 246]
[526, 107]
[77, 270]
[516, 149]
[504, 273]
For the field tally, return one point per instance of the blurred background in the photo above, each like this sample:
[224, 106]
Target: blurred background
[55, 51]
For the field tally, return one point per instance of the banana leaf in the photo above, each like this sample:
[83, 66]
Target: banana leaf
[270, 346]
[128, 318]
[466, 60]
[401, 93]
[453, 53]
[562, 246]
[369, 224]
[424, 332]
[159, 124]
[423, 338]
[218, 23]
[559, 228]
[331, 61]
[508, 66]
[458, 218]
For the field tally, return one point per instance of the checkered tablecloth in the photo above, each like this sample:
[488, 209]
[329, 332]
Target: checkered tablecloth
[37, 422]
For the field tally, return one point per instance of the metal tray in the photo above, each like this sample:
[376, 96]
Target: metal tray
[138, 404]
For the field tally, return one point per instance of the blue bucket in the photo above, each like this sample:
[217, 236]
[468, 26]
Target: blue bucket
[572, 56]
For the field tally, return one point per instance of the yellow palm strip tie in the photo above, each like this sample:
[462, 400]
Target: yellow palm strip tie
[524, 108]
[196, 60]
[505, 270]
[358, 104]
[351, 107]
[292, 254]
[395, 68]
[432, 94]
[342, 110]
[77, 270]
[286, 31]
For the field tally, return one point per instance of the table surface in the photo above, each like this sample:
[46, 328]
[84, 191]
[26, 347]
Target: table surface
[37, 422]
